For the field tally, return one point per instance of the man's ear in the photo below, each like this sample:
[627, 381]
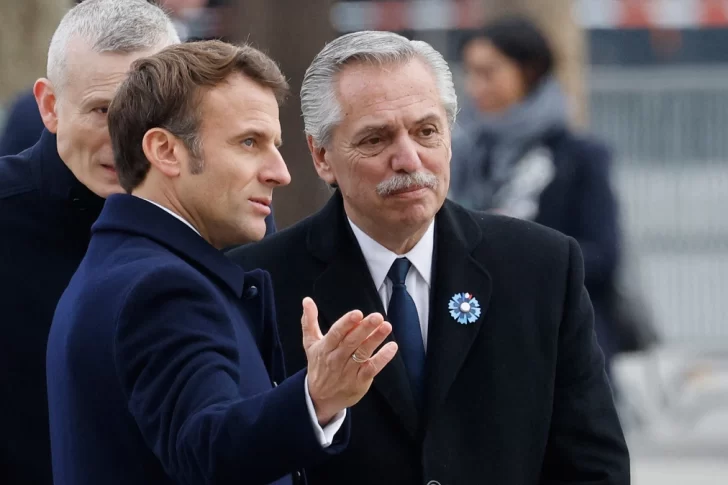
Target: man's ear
[164, 151]
[45, 97]
[320, 162]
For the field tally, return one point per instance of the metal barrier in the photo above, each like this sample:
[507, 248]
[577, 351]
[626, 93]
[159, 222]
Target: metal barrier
[669, 130]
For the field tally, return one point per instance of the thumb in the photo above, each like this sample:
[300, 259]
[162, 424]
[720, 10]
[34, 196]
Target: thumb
[309, 323]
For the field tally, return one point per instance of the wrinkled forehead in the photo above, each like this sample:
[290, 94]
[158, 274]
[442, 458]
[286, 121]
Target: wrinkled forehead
[86, 68]
[389, 95]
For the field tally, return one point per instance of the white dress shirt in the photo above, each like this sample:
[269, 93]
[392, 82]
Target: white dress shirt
[379, 260]
[326, 434]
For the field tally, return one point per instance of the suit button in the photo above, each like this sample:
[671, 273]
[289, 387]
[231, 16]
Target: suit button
[251, 292]
[275, 384]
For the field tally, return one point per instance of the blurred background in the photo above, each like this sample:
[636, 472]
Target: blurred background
[647, 77]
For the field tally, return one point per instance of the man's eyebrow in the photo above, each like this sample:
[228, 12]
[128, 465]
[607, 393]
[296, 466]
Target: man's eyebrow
[96, 99]
[430, 117]
[373, 128]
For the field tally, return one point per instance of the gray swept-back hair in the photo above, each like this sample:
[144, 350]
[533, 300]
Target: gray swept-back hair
[122, 26]
[319, 103]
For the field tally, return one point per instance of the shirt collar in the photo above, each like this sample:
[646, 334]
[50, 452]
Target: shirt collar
[172, 213]
[379, 259]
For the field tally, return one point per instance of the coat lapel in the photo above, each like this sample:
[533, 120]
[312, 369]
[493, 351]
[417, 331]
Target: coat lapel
[346, 285]
[455, 271]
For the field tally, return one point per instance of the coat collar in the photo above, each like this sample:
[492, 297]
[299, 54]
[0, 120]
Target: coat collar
[56, 181]
[130, 214]
[346, 284]
[458, 236]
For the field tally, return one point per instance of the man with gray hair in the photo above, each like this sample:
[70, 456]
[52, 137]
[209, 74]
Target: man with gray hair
[499, 377]
[50, 195]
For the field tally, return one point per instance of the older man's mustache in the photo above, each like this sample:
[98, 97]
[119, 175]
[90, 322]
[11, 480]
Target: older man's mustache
[403, 181]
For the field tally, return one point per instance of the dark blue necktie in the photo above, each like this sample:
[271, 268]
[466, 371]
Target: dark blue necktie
[402, 314]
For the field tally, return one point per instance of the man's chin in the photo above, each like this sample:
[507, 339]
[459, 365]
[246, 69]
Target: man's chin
[253, 235]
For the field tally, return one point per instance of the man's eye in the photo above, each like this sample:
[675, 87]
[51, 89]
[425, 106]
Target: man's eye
[249, 142]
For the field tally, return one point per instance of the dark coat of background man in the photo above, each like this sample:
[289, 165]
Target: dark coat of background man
[50, 194]
[164, 363]
[49, 197]
[499, 377]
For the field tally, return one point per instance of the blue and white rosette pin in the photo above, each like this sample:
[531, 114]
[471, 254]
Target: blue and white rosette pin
[464, 308]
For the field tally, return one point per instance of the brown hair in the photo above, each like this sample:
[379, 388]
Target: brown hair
[165, 91]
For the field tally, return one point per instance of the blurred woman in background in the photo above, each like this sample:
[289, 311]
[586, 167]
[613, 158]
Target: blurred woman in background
[514, 154]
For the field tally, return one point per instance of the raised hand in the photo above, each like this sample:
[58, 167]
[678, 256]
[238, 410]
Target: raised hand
[342, 364]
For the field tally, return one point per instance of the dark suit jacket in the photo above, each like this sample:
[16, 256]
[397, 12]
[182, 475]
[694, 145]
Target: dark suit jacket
[519, 397]
[162, 361]
[45, 225]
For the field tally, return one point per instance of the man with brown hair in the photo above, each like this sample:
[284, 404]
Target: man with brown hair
[164, 358]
